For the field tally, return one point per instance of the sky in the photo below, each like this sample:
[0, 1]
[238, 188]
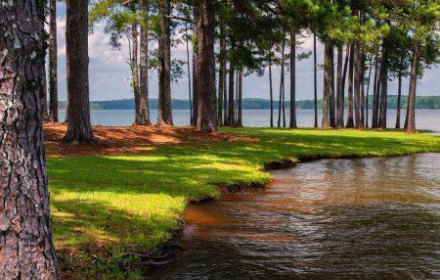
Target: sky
[109, 71]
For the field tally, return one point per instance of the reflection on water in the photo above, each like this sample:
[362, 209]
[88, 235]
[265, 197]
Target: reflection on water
[426, 119]
[331, 219]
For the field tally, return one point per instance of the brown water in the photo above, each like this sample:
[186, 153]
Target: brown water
[330, 219]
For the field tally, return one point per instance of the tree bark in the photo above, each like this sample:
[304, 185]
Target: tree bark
[222, 72]
[340, 92]
[357, 86]
[362, 90]
[164, 111]
[207, 119]
[195, 58]
[293, 123]
[327, 92]
[135, 69]
[411, 126]
[367, 99]
[315, 80]
[240, 98]
[26, 243]
[78, 113]
[350, 121]
[399, 95]
[53, 62]
[281, 101]
[376, 85]
[384, 89]
[271, 90]
[231, 99]
[143, 110]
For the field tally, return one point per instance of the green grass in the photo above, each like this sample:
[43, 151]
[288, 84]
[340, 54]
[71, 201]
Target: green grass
[108, 204]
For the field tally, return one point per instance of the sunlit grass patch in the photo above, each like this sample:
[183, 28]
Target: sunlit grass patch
[107, 204]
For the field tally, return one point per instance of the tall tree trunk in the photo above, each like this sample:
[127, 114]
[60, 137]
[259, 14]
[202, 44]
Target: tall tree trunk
[293, 79]
[222, 73]
[362, 90]
[344, 78]
[357, 86]
[205, 70]
[231, 99]
[367, 99]
[225, 95]
[281, 101]
[315, 80]
[350, 121]
[188, 63]
[332, 102]
[135, 68]
[165, 111]
[328, 87]
[411, 126]
[26, 244]
[53, 62]
[384, 89]
[340, 92]
[271, 90]
[78, 113]
[399, 95]
[240, 98]
[376, 90]
[194, 90]
[143, 111]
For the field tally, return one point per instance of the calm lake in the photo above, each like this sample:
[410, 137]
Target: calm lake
[331, 219]
[426, 119]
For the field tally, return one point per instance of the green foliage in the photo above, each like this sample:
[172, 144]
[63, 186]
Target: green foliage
[106, 205]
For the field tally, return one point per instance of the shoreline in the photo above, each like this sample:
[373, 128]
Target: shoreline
[253, 187]
[196, 168]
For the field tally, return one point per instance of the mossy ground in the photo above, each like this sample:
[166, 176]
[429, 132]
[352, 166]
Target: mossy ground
[105, 205]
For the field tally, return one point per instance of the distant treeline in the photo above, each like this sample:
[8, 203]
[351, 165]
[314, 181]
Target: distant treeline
[423, 102]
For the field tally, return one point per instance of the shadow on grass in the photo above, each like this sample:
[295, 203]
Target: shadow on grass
[114, 201]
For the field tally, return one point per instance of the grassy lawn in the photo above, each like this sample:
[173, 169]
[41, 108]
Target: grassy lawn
[109, 204]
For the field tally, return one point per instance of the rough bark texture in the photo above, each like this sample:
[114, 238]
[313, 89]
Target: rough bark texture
[205, 70]
[26, 246]
[326, 103]
[350, 121]
[293, 123]
[164, 114]
[340, 92]
[411, 124]
[53, 62]
[376, 90]
[315, 80]
[357, 86]
[384, 89]
[78, 114]
[143, 110]
[222, 72]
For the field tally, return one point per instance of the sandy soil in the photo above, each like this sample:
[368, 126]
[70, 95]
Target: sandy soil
[127, 140]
